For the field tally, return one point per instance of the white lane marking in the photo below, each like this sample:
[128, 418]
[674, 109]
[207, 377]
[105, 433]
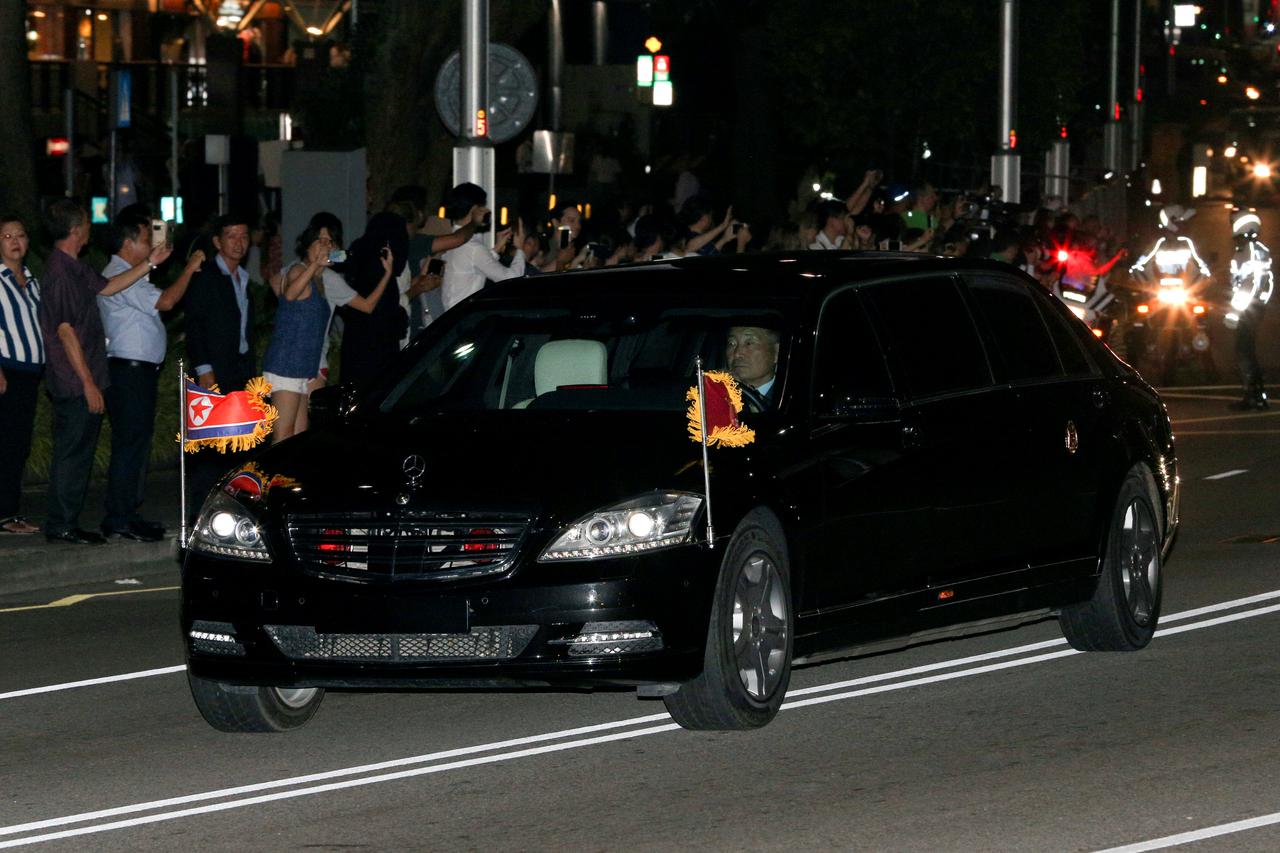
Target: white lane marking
[1234, 472]
[1016, 650]
[90, 682]
[1169, 395]
[1197, 834]
[1245, 416]
[503, 756]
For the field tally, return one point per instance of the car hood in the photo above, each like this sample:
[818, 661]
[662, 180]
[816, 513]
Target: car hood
[551, 465]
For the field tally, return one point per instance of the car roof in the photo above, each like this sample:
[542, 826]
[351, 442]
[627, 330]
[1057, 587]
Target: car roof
[781, 275]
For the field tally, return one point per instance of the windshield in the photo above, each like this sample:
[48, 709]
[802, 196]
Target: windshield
[583, 359]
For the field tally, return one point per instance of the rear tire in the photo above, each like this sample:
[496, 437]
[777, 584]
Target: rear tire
[747, 663]
[236, 708]
[1125, 607]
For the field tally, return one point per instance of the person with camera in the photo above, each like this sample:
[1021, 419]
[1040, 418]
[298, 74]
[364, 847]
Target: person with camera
[136, 344]
[302, 323]
[701, 237]
[76, 356]
[468, 266]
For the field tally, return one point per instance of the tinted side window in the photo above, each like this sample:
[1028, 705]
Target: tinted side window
[930, 336]
[1024, 350]
[848, 363]
[1070, 350]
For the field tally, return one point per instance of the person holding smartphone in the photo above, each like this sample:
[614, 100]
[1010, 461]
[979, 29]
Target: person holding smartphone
[471, 264]
[136, 347]
[302, 324]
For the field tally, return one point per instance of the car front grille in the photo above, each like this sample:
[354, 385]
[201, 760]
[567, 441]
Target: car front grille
[406, 544]
[493, 643]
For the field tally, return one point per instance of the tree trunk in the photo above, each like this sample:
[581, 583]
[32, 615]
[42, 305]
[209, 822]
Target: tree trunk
[18, 191]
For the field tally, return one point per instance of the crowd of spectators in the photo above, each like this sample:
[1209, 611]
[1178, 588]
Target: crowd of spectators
[98, 340]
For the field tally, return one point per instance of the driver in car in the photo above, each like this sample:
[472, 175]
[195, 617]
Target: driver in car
[751, 355]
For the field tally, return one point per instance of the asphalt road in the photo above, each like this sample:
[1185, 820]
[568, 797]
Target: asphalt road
[1006, 741]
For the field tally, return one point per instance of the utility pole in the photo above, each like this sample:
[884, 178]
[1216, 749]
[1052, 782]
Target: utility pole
[473, 155]
[1005, 165]
[1135, 154]
[1113, 134]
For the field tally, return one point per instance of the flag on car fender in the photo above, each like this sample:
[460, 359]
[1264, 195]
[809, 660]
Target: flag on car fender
[723, 402]
[238, 420]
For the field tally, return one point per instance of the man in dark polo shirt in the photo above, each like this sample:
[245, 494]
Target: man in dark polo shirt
[76, 363]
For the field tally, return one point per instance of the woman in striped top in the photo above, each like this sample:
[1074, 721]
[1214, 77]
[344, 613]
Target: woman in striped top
[21, 364]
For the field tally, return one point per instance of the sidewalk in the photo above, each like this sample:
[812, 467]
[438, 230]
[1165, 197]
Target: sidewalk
[29, 562]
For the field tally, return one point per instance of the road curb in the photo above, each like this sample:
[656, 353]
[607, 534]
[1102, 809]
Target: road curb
[43, 566]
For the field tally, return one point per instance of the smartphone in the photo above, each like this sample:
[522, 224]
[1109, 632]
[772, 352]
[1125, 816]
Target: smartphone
[161, 234]
[565, 236]
[486, 224]
[435, 266]
[737, 226]
[599, 250]
[891, 245]
[337, 256]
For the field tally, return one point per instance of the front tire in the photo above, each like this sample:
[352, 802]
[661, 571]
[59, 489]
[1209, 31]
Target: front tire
[1125, 607]
[747, 662]
[237, 708]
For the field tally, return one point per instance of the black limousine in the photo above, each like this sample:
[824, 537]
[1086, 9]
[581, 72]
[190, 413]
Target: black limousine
[939, 447]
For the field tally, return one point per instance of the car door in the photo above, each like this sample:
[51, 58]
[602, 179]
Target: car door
[1075, 479]
[962, 427]
[875, 499]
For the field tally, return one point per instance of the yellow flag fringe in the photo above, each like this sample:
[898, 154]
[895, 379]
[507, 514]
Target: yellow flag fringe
[724, 436]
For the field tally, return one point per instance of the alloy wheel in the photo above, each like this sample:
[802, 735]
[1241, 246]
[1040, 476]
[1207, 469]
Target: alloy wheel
[1139, 555]
[759, 626]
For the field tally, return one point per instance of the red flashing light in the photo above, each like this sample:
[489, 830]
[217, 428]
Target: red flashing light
[1116, 111]
[1013, 139]
[1137, 96]
[662, 64]
[1142, 69]
[1173, 51]
[1063, 256]
[1203, 102]
[57, 146]
[333, 553]
[1062, 133]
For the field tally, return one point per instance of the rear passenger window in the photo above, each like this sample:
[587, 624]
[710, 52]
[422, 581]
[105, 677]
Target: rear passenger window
[849, 365]
[933, 345]
[1070, 350]
[1024, 350]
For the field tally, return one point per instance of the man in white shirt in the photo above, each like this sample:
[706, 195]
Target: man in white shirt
[467, 267]
[835, 226]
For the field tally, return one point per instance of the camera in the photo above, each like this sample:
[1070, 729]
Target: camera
[337, 256]
[565, 236]
[160, 233]
[435, 266]
[599, 250]
[486, 224]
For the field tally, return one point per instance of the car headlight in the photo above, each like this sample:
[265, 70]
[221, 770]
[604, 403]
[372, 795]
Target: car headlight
[226, 528]
[636, 526]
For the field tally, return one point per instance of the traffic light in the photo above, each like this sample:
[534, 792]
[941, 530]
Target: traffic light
[644, 70]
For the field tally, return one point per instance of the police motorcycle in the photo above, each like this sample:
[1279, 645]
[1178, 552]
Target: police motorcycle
[1083, 287]
[1170, 320]
[1251, 285]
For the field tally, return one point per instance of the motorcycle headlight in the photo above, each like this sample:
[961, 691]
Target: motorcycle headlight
[226, 528]
[636, 526]
[1172, 295]
[1241, 299]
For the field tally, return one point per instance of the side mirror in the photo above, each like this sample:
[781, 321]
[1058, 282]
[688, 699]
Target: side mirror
[866, 409]
[333, 403]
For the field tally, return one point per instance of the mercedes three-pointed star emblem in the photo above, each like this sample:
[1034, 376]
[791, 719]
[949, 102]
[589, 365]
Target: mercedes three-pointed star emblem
[414, 467]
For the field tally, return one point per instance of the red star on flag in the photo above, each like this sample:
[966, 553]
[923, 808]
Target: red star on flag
[198, 410]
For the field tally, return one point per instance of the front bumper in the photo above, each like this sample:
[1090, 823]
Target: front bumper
[277, 625]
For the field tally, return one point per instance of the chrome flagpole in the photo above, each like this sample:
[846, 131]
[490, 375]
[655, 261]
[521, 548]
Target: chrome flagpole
[182, 452]
[706, 467]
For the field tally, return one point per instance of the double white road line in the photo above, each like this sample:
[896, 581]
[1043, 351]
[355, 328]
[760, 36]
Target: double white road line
[223, 799]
